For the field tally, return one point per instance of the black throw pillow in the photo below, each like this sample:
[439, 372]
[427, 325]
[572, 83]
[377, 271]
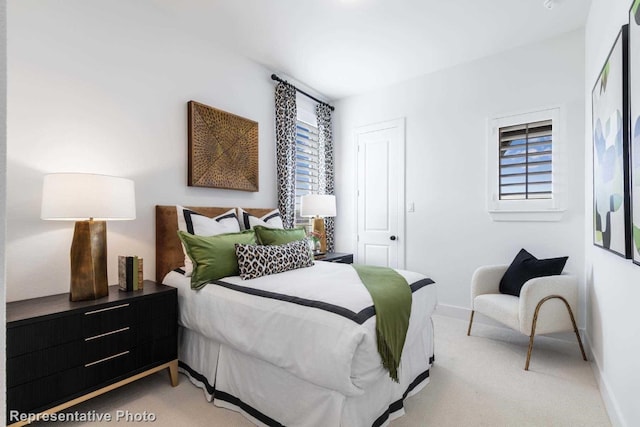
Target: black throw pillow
[525, 267]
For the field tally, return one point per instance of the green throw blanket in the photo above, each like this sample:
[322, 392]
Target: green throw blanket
[392, 300]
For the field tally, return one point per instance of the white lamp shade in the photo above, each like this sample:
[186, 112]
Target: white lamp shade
[80, 196]
[318, 205]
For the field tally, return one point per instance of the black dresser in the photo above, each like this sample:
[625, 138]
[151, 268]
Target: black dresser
[60, 353]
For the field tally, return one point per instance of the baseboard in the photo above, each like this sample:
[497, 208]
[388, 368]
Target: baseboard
[464, 313]
[610, 402]
[453, 311]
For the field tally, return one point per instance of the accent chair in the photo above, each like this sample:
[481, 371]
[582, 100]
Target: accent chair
[545, 304]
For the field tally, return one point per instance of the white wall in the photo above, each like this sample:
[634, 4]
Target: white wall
[613, 282]
[102, 86]
[450, 233]
[3, 192]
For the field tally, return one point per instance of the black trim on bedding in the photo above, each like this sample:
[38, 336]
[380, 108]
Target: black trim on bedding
[266, 218]
[341, 311]
[197, 376]
[187, 218]
[416, 382]
[221, 395]
[231, 215]
[421, 284]
[245, 220]
[179, 270]
[360, 317]
[399, 404]
[224, 396]
[273, 215]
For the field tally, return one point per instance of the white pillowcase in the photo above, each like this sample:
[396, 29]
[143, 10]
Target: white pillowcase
[270, 220]
[201, 225]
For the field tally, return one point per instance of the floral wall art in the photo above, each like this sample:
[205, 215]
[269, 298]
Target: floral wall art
[634, 113]
[611, 208]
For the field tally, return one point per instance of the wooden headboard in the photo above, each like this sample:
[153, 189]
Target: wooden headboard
[169, 255]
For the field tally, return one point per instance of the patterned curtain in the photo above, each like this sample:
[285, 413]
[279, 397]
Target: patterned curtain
[326, 165]
[286, 115]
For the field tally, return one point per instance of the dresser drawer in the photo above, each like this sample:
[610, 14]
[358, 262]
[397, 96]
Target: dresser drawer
[150, 309]
[156, 328]
[102, 346]
[44, 391]
[109, 368]
[41, 363]
[105, 320]
[43, 334]
[157, 351]
[157, 318]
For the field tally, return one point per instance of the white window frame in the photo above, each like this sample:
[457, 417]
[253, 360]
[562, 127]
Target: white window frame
[531, 209]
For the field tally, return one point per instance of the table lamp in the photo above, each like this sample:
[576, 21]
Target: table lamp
[318, 206]
[90, 200]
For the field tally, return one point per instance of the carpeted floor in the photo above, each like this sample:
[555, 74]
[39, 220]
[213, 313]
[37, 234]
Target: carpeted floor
[476, 381]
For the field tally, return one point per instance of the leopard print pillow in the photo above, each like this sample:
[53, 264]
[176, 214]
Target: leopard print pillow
[258, 260]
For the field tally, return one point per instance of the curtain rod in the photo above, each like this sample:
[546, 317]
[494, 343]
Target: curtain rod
[276, 78]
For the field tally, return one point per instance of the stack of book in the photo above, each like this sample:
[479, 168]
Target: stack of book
[130, 273]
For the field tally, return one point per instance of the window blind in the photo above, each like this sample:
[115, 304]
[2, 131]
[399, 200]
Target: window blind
[526, 161]
[306, 164]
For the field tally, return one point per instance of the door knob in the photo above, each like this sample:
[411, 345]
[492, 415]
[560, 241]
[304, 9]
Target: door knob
[392, 237]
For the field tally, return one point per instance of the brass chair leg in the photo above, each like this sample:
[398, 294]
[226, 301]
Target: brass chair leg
[470, 323]
[535, 320]
[533, 331]
[575, 330]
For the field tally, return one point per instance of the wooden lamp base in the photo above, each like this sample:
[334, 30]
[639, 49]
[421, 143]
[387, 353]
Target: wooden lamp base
[89, 261]
[318, 227]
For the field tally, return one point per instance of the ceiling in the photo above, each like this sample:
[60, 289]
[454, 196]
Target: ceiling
[339, 48]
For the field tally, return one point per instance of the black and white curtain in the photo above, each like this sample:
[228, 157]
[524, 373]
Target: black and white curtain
[326, 165]
[286, 115]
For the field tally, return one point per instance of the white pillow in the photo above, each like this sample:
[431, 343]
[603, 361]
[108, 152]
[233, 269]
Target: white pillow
[201, 225]
[270, 220]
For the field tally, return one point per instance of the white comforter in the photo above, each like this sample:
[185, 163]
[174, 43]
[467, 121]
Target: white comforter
[316, 344]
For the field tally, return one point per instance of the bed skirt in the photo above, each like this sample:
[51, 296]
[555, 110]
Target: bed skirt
[270, 396]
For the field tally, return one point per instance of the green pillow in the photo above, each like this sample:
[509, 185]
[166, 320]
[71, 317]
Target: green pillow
[278, 236]
[214, 257]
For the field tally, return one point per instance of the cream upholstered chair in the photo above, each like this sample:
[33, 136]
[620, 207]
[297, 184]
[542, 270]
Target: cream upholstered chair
[543, 307]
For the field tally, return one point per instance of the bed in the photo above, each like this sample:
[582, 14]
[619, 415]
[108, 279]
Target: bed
[293, 348]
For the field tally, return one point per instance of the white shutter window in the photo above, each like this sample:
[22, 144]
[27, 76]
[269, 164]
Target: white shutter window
[306, 164]
[526, 166]
[525, 161]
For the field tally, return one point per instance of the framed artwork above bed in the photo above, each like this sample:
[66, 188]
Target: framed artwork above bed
[223, 149]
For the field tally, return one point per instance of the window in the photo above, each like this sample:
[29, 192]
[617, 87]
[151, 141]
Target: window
[307, 156]
[525, 167]
[306, 164]
[526, 161]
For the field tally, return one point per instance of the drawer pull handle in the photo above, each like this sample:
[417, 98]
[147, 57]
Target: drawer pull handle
[107, 333]
[106, 358]
[106, 309]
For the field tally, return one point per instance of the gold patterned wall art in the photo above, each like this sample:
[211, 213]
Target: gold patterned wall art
[223, 149]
